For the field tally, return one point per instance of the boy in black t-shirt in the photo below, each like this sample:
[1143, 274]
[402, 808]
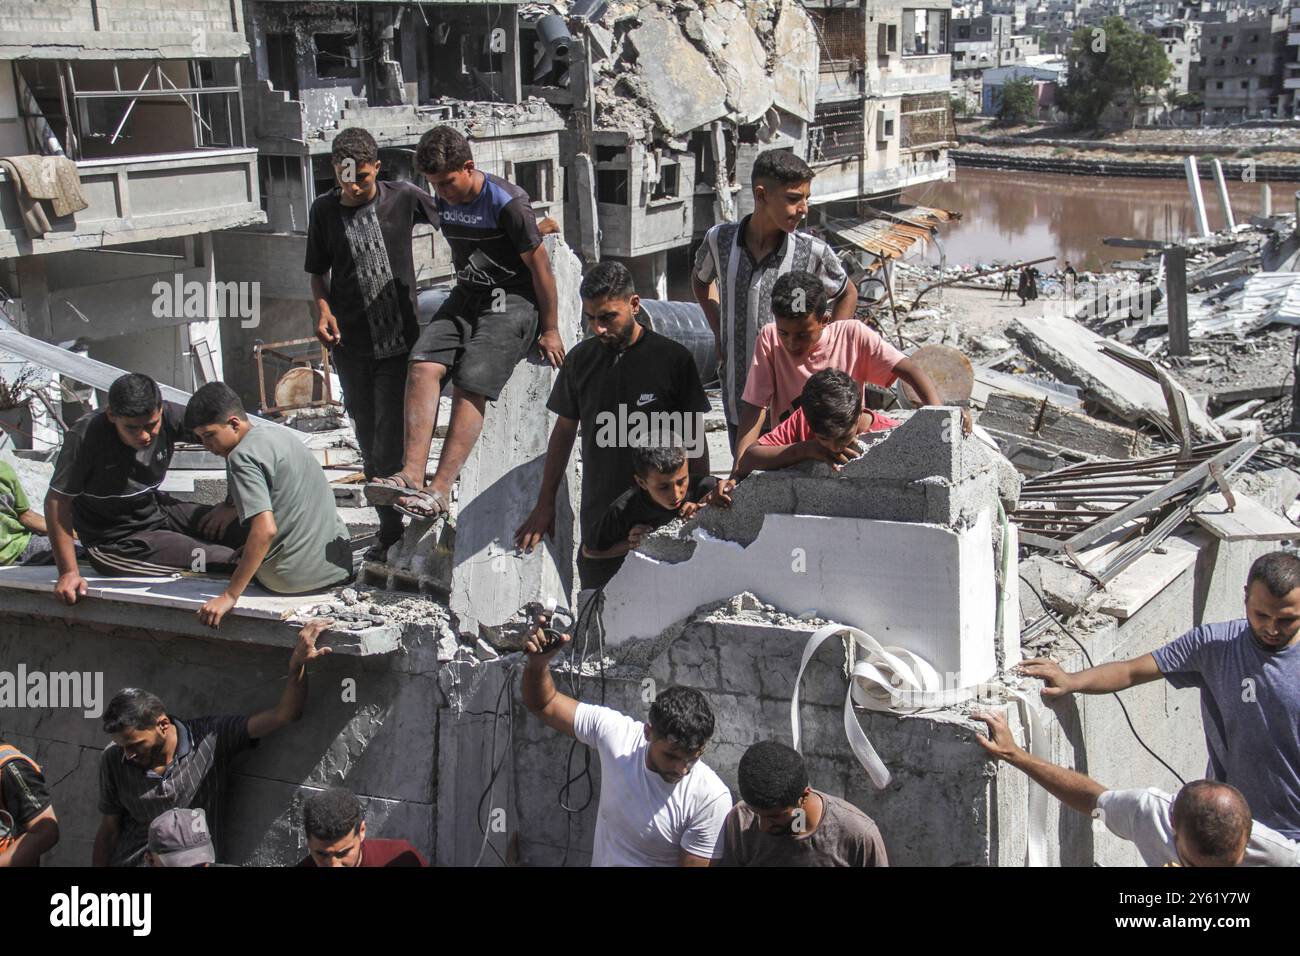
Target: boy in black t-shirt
[504, 302]
[105, 486]
[359, 236]
[664, 489]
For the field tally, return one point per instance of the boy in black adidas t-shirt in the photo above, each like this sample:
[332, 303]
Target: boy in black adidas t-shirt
[664, 489]
[503, 304]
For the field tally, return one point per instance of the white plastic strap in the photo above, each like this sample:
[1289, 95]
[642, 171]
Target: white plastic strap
[894, 680]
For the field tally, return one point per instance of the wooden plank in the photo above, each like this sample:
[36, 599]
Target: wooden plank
[188, 592]
[1249, 521]
[1146, 577]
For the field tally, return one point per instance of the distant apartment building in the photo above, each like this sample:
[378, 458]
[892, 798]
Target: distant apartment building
[1017, 10]
[884, 117]
[1181, 41]
[1051, 22]
[987, 41]
[1242, 67]
[144, 98]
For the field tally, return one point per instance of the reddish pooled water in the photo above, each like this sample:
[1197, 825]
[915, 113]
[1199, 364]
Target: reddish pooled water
[1011, 214]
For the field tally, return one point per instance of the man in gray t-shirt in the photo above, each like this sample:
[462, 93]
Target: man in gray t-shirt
[1207, 823]
[1248, 672]
[782, 821]
[296, 541]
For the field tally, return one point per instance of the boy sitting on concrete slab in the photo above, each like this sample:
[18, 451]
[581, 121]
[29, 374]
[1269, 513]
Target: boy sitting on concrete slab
[803, 341]
[105, 488]
[22, 531]
[664, 489]
[296, 541]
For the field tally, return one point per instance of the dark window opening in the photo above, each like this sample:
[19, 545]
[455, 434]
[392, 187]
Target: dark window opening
[534, 178]
[611, 186]
[337, 55]
[670, 182]
[282, 63]
[611, 154]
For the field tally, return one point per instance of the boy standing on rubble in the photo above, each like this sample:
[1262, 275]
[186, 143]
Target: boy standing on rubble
[105, 487]
[359, 235]
[297, 543]
[745, 259]
[503, 304]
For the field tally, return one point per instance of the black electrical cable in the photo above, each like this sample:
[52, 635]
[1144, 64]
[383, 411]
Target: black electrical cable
[1088, 657]
[496, 770]
[589, 612]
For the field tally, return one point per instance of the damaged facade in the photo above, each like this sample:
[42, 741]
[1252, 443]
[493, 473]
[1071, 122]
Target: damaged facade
[146, 103]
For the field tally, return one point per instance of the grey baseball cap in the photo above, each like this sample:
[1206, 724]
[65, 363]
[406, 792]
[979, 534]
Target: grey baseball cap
[181, 838]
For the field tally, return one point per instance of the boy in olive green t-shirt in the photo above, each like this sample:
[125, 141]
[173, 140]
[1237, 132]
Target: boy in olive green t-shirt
[297, 543]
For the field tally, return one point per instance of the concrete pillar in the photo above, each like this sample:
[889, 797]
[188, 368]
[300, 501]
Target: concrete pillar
[1176, 292]
[1198, 201]
[1265, 200]
[659, 271]
[1224, 200]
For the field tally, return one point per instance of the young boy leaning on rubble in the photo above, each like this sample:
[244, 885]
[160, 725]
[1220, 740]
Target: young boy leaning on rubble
[825, 427]
[296, 541]
[662, 489]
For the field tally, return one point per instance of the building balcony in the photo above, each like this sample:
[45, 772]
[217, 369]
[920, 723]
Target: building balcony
[93, 30]
[141, 198]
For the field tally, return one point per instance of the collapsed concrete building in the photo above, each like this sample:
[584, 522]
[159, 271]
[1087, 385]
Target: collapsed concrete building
[202, 134]
[906, 544]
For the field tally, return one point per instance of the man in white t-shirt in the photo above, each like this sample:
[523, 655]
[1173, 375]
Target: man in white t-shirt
[1206, 823]
[659, 805]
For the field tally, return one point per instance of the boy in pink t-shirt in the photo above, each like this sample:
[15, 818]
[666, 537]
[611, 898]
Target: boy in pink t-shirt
[803, 341]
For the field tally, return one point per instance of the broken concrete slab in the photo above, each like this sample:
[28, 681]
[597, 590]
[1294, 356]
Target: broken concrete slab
[740, 58]
[797, 61]
[923, 587]
[1041, 420]
[696, 96]
[1134, 587]
[1247, 520]
[1073, 353]
[1274, 488]
[499, 484]
[924, 470]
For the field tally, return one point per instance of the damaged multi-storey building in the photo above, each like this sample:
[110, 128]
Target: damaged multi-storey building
[143, 102]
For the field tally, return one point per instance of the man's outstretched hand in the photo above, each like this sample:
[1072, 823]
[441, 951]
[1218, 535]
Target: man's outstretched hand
[306, 651]
[1059, 683]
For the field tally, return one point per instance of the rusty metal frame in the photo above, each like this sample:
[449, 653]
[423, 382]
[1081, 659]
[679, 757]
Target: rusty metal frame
[273, 349]
[1138, 488]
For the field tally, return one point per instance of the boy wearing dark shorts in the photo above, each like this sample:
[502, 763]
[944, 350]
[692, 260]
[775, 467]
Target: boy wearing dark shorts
[504, 302]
